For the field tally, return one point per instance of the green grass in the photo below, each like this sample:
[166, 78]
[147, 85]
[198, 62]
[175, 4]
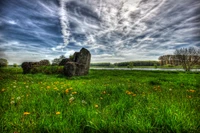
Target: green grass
[104, 101]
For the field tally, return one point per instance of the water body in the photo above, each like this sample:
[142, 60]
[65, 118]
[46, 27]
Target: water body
[145, 69]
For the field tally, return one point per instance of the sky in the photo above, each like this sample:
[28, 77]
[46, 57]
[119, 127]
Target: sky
[112, 30]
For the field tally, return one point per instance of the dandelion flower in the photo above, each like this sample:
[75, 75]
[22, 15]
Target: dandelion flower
[134, 95]
[55, 88]
[192, 91]
[96, 106]
[67, 91]
[74, 92]
[26, 113]
[48, 87]
[129, 93]
[57, 113]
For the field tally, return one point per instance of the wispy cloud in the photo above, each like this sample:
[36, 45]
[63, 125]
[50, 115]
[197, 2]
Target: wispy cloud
[113, 30]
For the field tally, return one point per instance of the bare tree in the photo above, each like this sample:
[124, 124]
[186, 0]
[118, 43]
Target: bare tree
[188, 57]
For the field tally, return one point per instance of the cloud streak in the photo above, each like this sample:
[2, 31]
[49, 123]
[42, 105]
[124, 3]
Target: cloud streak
[64, 21]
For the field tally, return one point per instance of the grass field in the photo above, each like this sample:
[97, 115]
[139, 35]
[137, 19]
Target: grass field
[113, 101]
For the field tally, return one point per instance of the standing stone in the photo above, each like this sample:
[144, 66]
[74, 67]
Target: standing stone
[80, 64]
[84, 58]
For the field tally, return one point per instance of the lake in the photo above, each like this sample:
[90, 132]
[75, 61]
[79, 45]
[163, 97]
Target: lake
[145, 69]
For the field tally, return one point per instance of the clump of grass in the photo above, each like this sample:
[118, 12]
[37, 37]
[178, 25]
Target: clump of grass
[103, 101]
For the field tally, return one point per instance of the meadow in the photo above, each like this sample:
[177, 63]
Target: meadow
[112, 101]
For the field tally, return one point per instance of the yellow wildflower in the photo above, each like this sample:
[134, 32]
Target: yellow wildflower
[192, 91]
[104, 92]
[67, 91]
[3, 89]
[70, 88]
[57, 113]
[26, 113]
[55, 88]
[129, 93]
[48, 87]
[134, 95]
[74, 92]
[96, 106]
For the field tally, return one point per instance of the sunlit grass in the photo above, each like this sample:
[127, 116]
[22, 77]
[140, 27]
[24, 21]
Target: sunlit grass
[103, 101]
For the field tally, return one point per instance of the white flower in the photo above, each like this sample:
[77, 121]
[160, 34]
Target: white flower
[84, 102]
[71, 99]
[18, 98]
[12, 102]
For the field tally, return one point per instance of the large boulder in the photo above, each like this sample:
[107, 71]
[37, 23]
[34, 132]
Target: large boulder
[64, 61]
[80, 64]
[26, 66]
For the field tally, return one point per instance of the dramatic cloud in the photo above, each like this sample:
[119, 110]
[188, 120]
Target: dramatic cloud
[113, 30]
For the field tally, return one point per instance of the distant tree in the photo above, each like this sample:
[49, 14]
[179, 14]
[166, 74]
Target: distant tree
[56, 61]
[130, 65]
[3, 62]
[15, 65]
[155, 66]
[188, 57]
[71, 57]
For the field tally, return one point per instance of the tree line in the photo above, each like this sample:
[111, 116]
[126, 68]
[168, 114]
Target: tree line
[186, 57]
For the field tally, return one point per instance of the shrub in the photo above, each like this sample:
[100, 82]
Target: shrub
[3, 62]
[169, 65]
[14, 65]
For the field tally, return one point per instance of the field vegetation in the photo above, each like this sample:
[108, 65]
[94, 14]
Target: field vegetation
[103, 101]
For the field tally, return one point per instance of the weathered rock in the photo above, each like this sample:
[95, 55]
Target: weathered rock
[80, 64]
[64, 61]
[26, 66]
[70, 69]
